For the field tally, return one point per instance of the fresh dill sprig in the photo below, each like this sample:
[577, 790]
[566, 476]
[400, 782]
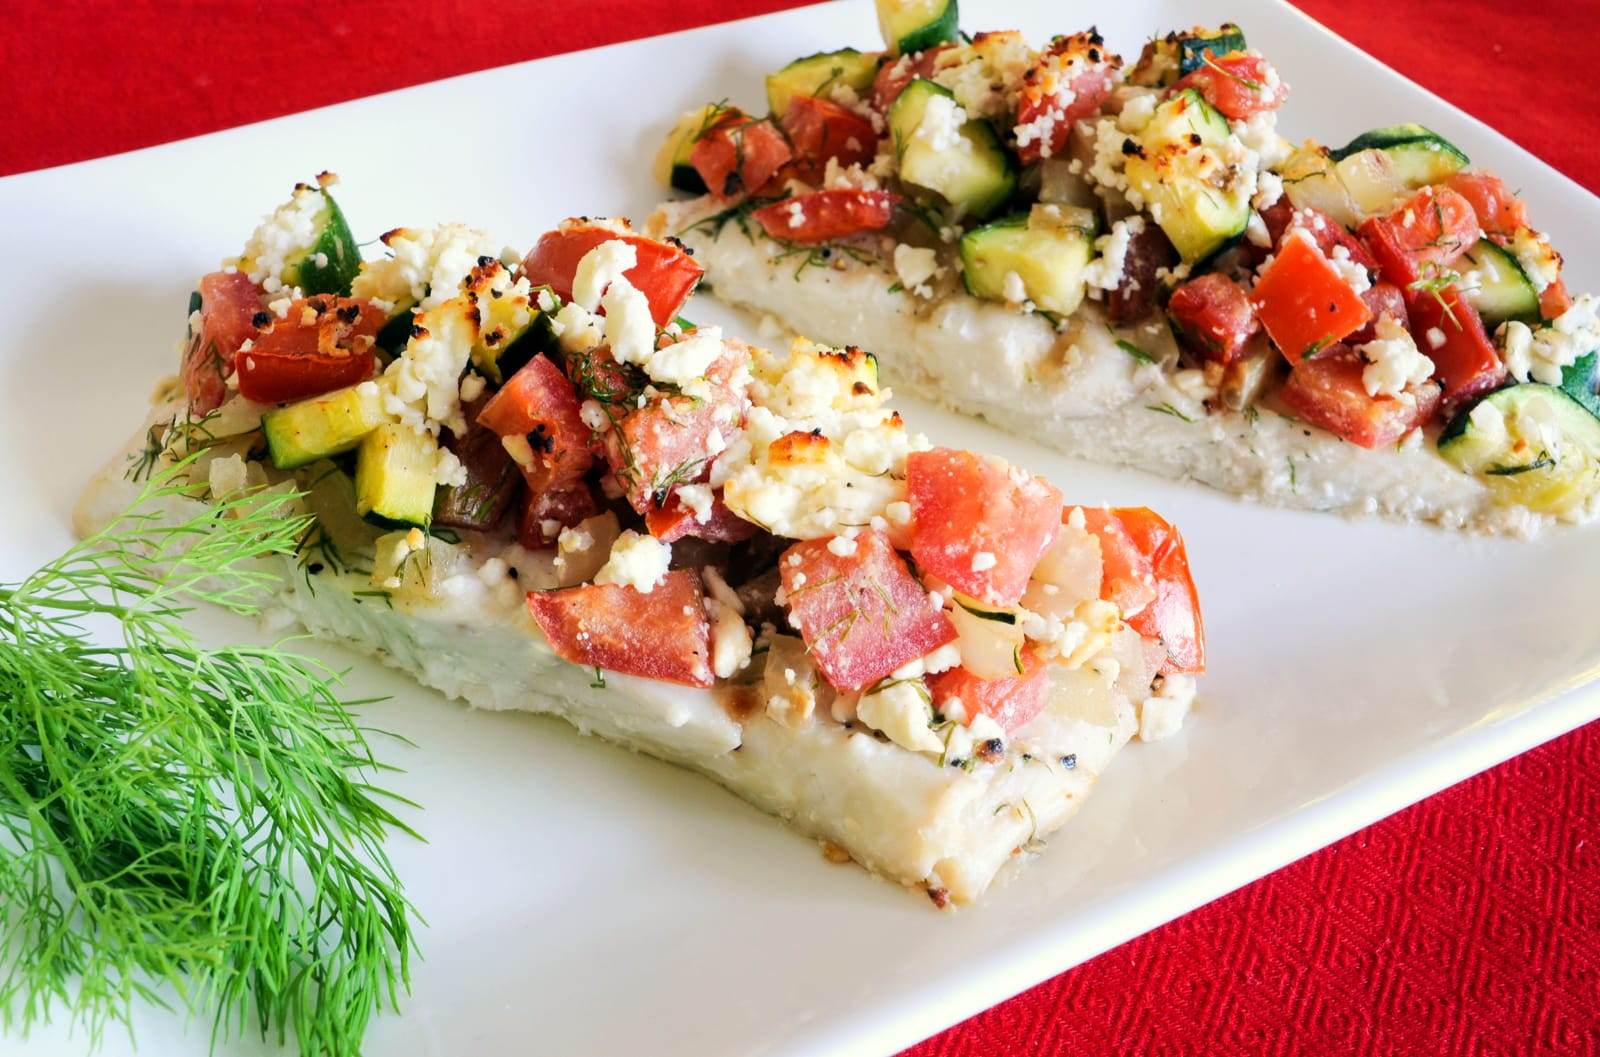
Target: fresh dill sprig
[180, 820]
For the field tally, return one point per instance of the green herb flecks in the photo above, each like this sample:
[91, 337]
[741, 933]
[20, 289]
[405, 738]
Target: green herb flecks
[1167, 409]
[1135, 351]
[1543, 462]
[180, 819]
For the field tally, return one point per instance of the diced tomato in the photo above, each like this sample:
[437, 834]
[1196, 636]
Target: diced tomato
[1466, 364]
[660, 634]
[321, 344]
[1011, 701]
[664, 272]
[229, 302]
[1426, 232]
[1327, 233]
[1213, 313]
[823, 216]
[1239, 85]
[552, 509]
[1071, 81]
[1304, 302]
[1499, 211]
[820, 130]
[1173, 618]
[1149, 250]
[1327, 392]
[893, 76]
[1277, 218]
[1126, 577]
[1382, 299]
[737, 158]
[666, 442]
[674, 521]
[861, 614]
[978, 524]
[1554, 299]
[538, 405]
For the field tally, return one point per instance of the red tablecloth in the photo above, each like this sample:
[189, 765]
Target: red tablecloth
[1467, 925]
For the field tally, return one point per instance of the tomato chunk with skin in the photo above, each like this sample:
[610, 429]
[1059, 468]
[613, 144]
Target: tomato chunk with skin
[722, 525]
[1149, 250]
[1214, 315]
[1126, 577]
[1173, 617]
[862, 614]
[1466, 363]
[1071, 81]
[1554, 300]
[820, 130]
[1327, 391]
[543, 511]
[664, 272]
[1327, 233]
[979, 524]
[1011, 701]
[737, 158]
[824, 216]
[661, 634]
[1382, 299]
[1303, 301]
[1498, 209]
[319, 345]
[1425, 233]
[1239, 84]
[538, 408]
[229, 303]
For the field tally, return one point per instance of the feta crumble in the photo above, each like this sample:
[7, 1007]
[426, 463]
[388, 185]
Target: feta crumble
[636, 561]
[1394, 362]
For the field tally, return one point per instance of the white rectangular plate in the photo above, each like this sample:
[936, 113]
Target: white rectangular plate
[582, 900]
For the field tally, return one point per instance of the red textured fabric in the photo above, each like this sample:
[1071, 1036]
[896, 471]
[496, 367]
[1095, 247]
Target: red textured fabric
[1467, 925]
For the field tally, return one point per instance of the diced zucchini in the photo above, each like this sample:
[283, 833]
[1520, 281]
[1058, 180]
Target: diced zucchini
[1158, 63]
[1193, 45]
[512, 331]
[1495, 284]
[1420, 155]
[394, 476]
[975, 174]
[819, 74]
[330, 264]
[1580, 380]
[1373, 181]
[916, 25]
[1310, 181]
[1504, 447]
[322, 426]
[1049, 259]
[1186, 184]
[396, 332]
[671, 167]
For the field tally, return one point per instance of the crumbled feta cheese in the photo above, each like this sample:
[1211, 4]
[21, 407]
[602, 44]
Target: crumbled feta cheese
[1162, 713]
[1352, 272]
[577, 329]
[1542, 355]
[698, 498]
[1393, 361]
[284, 234]
[1488, 421]
[684, 361]
[940, 127]
[915, 265]
[448, 469]
[1436, 338]
[1540, 263]
[472, 386]
[1013, 289]
[629, 328]
[903, 712]
[1105, 271]
[982, 561]
[636, 561]
[731, 641]
[1269, 189]
[421, 387]
[425, 267]
[599, 268]
[838, 177]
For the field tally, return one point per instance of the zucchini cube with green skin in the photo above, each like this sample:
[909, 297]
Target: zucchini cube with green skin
[671, 167]
[820, 73]
[1496, 444]
[329, 265]
[394, 476]
[1192, 46]
[966, 166]
[1494, 283]
[910, 26]
[1050, 260]
[1420, 155]
[1182, 171]
[321, 427]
